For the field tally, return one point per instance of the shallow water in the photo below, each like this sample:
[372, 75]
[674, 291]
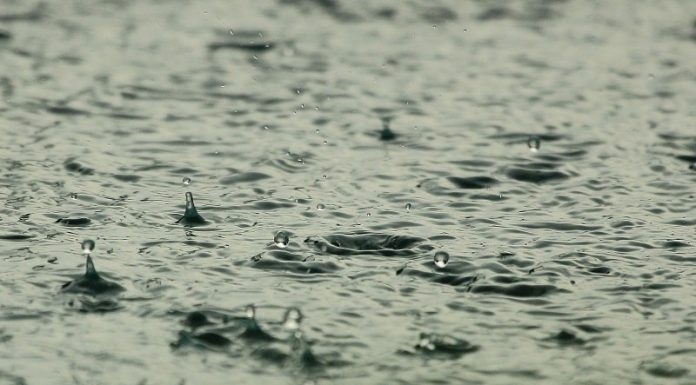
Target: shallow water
[548, 147]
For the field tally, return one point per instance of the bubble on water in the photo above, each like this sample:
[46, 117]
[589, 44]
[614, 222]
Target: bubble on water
[250, 311]
[73, 195]
[186, 181]
[534, 143]
[441, 259]
[326, 141]
[321, 207]
[231, 32]
[87, 246]
[292, 318]
[369, 214]
[408, 207]
[281, 239]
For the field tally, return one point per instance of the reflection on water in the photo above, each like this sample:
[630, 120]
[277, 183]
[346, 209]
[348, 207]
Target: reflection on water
[407, 192]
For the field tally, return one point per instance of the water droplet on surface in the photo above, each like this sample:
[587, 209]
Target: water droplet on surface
[408, 207]
[441, 259]
[281, 239]
[87, 246]
[292, 318]
[250, 311]
[534, 143]
[369, 214]
[232, 32]
[73, 195]
[186, 181]
[320, 207]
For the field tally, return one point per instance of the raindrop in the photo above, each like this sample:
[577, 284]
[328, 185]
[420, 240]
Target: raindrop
[369, 215]
[292, 318]
[441, 258]
[73, 195]
[186, 181]
[281, 239]
[533, 143]
[326, 141]
[232, 32]
[87, 246]
[250, 312]
[408, 207]
[321, 207]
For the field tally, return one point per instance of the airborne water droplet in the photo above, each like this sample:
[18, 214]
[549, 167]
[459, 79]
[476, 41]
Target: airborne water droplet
[186, 181]
[292, 318]
[281, 239]
[441, 258]
[250, 312]
[534, 143]
[320, 207]
[87, 246]
[408, 207]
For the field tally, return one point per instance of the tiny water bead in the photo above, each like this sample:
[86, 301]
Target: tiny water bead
[292, 318]
[441, 259]
[87, 246]
[534, 143]
[408, 207]
[186, 181]
[281, 239]
[73, 196]
[250, 312]
[320, 207]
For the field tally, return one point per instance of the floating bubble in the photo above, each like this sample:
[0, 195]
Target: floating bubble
[320, 207]
[292, 318]
[441, 259]
[186, 181]
[408, 207]
[87, 246]
[534, 143]
[281, 239]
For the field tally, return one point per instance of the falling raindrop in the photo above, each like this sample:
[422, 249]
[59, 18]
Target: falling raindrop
[87, 246]
[186, 181]
[292, 318]
[534, 143]
[281, 239]
[441, 258]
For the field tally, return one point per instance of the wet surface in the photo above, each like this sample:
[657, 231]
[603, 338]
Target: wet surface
[471, 192]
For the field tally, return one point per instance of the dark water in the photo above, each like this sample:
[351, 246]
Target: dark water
[547, 147]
